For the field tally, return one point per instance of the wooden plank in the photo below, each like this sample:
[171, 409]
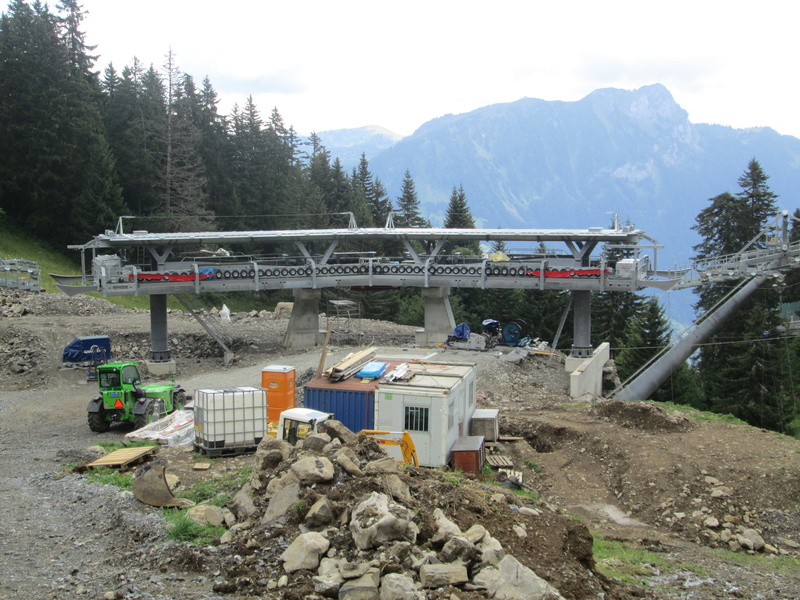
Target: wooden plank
[516, 474]
[123, 456]
[510, 438]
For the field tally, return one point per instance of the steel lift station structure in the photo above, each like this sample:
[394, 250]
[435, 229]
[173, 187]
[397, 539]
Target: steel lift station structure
[580, 261]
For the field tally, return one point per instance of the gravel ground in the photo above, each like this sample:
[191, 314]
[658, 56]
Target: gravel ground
[65, 538]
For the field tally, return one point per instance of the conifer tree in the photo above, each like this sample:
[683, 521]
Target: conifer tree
[458, 216]
[408, 205]
[737, 365]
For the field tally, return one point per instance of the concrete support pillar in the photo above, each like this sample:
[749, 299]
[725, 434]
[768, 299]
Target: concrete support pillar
[160, 362]
[439, 321]
[303, 330]
[582, 328]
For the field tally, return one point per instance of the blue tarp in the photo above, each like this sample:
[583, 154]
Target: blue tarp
[462, 331]
[372, 370]
[81, 349]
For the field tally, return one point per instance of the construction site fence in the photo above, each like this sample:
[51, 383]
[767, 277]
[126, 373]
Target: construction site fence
[20, 274]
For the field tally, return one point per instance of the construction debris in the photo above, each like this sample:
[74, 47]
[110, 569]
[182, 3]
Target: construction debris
[350, 365]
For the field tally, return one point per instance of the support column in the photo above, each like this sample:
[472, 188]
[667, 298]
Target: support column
[303, 330]
[439, 321]
[581, 330]
[160, 362]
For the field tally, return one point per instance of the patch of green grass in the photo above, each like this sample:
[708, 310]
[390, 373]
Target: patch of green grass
[702, 415]
[111, 446]
[109, 476]
[532, 465]
[624, 562]
[181, 528]
[760, 562]
[530, 494]
[455, 478]
[218, 490]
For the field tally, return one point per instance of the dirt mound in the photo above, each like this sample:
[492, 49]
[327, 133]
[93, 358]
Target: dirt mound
[645, 416]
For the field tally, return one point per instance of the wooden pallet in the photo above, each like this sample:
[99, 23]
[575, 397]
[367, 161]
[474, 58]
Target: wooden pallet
[495, 460]
[123, 457]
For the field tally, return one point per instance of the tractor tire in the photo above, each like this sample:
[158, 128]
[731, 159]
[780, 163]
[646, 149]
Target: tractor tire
[97, 422]
[179, 400]
[147, 417]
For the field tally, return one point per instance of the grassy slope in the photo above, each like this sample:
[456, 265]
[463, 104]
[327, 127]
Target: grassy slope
[17, 245]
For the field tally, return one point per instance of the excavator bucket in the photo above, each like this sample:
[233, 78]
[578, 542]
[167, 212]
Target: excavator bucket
[150, 486]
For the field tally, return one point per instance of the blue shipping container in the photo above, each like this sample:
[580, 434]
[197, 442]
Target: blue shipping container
[355, 408]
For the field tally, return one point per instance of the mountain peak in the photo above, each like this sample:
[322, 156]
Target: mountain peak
[647, 104]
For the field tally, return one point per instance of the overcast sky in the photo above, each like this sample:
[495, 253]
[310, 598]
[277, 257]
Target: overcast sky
[348, 63]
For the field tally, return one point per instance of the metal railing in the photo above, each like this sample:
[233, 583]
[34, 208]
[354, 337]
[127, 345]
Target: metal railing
[20, 274]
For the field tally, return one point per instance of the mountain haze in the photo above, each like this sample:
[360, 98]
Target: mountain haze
[349, 144]
[544, 164]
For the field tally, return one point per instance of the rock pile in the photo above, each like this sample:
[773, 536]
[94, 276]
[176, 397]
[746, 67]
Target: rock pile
[337, 518]
[718, 519]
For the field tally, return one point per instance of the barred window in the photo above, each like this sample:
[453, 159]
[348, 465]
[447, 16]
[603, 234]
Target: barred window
[416, 418]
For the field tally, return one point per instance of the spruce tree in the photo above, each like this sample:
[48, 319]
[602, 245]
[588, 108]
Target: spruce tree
[458, 216]
[738, 365]
[408, 205]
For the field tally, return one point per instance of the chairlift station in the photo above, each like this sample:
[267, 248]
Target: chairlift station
[583, 262]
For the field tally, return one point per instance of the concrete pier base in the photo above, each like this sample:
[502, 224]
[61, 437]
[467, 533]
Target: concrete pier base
[303, 330]
[439, 321]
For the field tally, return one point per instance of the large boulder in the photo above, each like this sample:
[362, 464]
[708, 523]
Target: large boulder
[397, 586]
[347, 459]
[378, 520]
[305, 551]
[445, 528]
[337, 430]
[434, 576]
[511, 580]
[313, 469]
[281, 502]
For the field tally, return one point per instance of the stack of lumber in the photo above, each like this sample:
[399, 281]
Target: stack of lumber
[350, 365]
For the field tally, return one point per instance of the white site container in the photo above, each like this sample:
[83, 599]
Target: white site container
[435, 407]
[229, 418]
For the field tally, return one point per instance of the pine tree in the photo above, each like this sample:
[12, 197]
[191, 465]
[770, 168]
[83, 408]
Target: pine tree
[458, 216]
[737, 366]
[408, 205]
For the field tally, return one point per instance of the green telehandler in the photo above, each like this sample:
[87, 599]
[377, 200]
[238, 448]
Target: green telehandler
[122, 400]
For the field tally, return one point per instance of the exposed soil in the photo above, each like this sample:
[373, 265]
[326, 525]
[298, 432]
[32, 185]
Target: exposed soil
[665, 482]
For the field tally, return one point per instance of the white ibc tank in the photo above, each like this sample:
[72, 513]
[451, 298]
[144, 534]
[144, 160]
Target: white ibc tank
[233, 417]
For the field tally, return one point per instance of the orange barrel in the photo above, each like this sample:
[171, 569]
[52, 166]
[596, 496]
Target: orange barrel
[278, 382]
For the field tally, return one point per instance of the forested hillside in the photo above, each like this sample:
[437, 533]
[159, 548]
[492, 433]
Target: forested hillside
[80, 148]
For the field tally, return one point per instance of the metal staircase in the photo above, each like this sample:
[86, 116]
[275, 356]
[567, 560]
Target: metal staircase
[211, 326]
